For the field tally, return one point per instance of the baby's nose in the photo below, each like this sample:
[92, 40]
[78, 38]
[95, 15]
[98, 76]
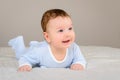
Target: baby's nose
[67, 33]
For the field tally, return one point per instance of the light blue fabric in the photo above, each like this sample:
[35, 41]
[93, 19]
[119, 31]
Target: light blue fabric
[41, 54]
[17, 44]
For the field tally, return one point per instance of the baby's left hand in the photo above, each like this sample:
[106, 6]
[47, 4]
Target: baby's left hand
[76, 67]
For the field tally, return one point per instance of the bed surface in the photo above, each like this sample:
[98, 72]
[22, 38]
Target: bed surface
[103, 63]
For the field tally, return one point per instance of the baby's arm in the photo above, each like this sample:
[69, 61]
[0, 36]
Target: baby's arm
[24, 68]
[27, 61]
[79, 62]
[77, 67]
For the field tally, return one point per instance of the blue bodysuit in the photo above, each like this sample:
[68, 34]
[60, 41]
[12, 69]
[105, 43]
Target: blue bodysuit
[40, 53]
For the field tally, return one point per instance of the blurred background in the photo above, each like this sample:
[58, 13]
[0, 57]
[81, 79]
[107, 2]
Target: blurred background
[96, 22]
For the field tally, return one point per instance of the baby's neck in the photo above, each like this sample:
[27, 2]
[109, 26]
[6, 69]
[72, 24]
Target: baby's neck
[59, 54]
[58, 50]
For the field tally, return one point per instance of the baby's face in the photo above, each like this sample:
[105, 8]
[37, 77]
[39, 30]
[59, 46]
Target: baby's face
[60, 33]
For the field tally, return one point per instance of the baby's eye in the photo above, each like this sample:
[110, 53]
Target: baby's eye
[60, 30]
[70, 28]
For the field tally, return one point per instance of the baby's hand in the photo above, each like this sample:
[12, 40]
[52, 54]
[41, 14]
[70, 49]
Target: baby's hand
[24, 68]
[76, 67]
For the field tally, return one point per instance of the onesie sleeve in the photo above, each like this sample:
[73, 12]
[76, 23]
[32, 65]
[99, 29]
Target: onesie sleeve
[30, 58]
[78, 56]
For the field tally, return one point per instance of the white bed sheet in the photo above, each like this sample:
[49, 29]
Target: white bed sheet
[103, 63]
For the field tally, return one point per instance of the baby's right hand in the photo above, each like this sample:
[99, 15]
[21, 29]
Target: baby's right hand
[24, 68]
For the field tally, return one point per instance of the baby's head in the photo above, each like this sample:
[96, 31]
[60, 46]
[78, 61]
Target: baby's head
[51, 14]
[57, 28]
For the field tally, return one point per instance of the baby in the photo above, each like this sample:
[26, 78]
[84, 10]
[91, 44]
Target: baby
[58, 50]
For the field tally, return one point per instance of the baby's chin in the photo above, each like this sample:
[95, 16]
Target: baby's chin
[67, 45]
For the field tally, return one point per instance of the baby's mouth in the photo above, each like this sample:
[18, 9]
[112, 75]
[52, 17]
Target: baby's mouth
[66, 41]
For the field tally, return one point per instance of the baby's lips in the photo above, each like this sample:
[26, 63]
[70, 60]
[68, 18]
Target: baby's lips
[66, 41]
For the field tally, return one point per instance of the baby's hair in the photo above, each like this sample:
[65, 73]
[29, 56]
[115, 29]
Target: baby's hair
[51, 14]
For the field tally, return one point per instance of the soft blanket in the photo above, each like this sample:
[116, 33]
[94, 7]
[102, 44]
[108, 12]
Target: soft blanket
[103, 63]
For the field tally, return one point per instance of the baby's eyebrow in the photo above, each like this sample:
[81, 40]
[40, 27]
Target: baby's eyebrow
[59, 27]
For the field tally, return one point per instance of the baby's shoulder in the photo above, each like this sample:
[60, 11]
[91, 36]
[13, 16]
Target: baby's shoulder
[38, 44]
[74, 45]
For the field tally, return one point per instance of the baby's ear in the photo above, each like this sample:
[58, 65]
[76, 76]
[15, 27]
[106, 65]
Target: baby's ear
[46, 36]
